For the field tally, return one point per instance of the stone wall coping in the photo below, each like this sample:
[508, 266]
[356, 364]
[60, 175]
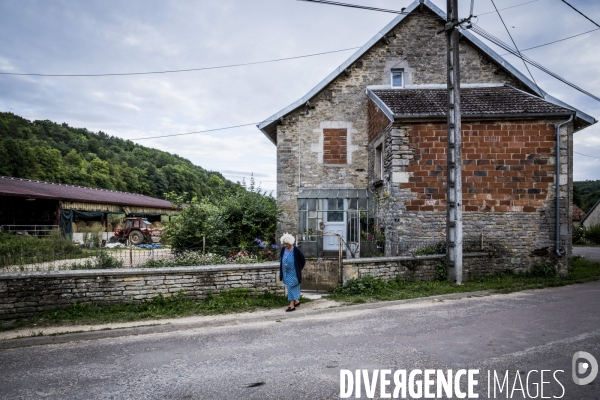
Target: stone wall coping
[372, 260]
[138, 271]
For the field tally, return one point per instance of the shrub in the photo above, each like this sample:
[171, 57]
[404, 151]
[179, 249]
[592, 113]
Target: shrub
[436, 248]
[441, 273]
[543, 270]
[592, 234]
[363, 286]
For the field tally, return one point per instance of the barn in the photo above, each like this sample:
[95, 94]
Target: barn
[35, 208]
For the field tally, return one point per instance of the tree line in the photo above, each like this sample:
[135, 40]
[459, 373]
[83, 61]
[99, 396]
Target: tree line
[586, 194]
[229, 213]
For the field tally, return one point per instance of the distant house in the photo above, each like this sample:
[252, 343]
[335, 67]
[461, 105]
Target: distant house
[35, 207]
[375, 128]
[578, 215]
[592, 217]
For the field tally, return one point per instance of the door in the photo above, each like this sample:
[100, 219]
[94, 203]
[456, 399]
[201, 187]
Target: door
[335, 223]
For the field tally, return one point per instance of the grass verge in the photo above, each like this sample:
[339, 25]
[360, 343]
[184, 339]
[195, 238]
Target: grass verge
[370, 289]
[230, 301]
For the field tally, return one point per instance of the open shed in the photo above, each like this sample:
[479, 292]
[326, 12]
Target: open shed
[38, 207]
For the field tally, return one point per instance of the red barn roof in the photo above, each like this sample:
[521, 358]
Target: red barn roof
[18, 187]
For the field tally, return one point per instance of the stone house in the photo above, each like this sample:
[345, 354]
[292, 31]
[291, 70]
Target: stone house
[592, 217]
[374, 132]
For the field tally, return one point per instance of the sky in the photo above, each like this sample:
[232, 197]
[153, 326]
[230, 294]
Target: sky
[106, 36]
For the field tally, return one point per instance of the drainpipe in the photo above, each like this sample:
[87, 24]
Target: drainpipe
[558, 253]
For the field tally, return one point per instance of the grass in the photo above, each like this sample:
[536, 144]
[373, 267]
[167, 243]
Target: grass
[370, 289]
[231, 301]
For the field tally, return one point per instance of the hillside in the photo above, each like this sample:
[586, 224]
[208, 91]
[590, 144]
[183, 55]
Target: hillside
[47, 151]
[586, 194]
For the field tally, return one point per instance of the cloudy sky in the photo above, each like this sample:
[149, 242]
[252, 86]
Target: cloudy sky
[104, 36]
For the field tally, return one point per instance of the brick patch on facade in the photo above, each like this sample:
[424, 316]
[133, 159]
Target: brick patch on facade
[335, 146]
[506, 166]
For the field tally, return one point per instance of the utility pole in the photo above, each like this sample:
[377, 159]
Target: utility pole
[454, 234]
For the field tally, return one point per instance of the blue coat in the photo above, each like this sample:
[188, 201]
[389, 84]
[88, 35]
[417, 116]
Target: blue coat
[299, 262]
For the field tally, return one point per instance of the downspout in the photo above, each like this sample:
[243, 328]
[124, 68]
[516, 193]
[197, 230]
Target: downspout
[558, 253]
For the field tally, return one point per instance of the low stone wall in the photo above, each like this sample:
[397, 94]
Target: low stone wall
[25, 294]
[418, 268]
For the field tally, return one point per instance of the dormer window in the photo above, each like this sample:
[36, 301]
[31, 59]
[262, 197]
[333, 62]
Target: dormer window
[397, 78]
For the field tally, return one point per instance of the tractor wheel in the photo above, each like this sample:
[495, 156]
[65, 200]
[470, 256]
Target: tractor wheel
[136, 237]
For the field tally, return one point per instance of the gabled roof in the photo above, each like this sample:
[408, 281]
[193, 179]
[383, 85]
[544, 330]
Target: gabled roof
[269, 126]
[590, 212]
[498, 101]
[578, 213]
[17, 187]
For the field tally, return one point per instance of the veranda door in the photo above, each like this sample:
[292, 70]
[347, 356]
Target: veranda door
[335, 223]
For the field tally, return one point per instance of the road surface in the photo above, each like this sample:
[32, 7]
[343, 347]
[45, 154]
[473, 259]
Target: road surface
[301, 357]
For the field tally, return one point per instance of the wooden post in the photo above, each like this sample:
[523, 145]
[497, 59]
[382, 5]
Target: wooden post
[130, 256]
[203, 248]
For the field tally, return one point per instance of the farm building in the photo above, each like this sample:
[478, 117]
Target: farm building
[37, 207]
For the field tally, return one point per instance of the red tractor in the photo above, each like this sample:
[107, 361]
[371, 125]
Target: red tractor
[138, 230]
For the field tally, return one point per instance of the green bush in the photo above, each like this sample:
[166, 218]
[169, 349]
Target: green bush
[592, 234]
[363, 286]
[543, 270]
[12, 246]
[441, 273]
[436, 248]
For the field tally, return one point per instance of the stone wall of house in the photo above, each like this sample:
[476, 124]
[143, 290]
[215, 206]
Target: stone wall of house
[509, 186]
[414, 47]
[26, 294]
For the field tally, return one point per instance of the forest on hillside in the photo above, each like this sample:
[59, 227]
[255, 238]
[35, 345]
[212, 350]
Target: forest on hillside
[47, 151]
[586, 194]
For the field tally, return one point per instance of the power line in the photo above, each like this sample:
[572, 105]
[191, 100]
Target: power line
[584, 16]
[512, 51]
[192, 133]
[581, 154]
[179, 70]
[502, 9]
[513, 41]
[556, 41]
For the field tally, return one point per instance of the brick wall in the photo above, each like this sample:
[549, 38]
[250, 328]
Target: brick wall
[510, 193]
[378, 121]
[335, 146]
[26, 294]
[505, 166]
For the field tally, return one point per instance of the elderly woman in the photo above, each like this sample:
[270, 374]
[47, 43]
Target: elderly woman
[290, 269]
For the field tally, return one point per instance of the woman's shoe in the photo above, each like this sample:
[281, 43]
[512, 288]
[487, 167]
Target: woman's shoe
[290, 309]
[297, 304]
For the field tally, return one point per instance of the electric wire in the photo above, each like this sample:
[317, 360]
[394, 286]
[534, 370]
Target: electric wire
[180, 70]
[515, 44]
[584, 16]
[506, 8]
[486, 35]
[556, 41]
[581, 154]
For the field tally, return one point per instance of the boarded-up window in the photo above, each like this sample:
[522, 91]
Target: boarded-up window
[334, 146]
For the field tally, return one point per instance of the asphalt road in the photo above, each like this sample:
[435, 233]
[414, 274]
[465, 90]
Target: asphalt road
[591, 253]
[301, 357]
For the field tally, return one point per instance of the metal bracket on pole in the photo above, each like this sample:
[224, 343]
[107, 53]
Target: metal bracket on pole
[454, 234]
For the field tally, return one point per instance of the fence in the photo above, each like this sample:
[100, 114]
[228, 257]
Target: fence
[29, 230]
[142, 256]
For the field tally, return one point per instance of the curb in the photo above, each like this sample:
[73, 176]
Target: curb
[232, 321]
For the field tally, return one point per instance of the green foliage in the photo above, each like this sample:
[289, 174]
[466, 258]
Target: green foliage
[592, 234]
[586, 194]
[47, 151]
[543, 270]
[234, 219]
[579, 235]
[430, 249]
[99, 261]
[369, 288]
[12, 245]
[441, 272]
[179, 305]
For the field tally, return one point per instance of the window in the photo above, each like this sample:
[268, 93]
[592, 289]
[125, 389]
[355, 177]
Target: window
[335, 210]
[397, 78]
[378, 167]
